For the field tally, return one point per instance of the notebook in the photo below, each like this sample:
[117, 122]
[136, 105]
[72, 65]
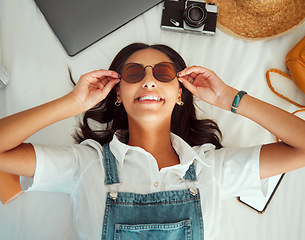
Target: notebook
[80, 23]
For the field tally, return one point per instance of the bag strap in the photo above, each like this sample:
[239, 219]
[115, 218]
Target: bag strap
[302, 107]
[277, 93]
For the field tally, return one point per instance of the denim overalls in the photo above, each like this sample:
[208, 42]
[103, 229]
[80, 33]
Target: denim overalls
[169, 215]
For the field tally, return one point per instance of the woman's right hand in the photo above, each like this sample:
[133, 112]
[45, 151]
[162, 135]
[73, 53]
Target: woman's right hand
[94, 87]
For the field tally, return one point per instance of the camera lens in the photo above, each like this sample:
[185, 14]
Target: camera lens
[195, 15]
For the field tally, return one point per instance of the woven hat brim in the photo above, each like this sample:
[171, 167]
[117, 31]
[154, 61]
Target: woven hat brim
[237, 21]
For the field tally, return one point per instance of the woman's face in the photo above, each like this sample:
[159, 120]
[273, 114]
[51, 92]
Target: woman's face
[149, 100]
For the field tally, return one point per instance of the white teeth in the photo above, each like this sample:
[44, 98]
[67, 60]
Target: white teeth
[155, 98]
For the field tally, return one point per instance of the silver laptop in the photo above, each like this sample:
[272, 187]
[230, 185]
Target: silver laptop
[80, 23]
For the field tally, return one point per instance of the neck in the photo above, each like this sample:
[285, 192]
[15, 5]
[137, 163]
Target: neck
[154, 139]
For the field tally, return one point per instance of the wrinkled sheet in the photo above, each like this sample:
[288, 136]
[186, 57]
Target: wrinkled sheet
[38, 64]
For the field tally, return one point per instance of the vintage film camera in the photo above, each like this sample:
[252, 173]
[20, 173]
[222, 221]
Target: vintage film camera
[189, 16]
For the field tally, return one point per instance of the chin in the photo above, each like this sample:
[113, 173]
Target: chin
[150, 117]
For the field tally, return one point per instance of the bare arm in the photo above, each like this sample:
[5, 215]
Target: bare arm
[275, 158]
[19, 158]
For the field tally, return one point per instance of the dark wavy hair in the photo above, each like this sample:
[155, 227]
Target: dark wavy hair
[184, 122]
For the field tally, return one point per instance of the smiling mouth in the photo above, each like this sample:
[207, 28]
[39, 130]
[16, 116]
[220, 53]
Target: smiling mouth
[150, 98]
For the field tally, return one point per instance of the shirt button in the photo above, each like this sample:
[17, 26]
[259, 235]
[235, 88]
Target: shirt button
[156, 184]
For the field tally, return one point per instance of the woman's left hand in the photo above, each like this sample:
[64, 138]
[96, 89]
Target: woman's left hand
[207, 86]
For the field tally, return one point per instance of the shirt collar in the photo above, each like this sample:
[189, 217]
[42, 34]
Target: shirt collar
[185, 152]
[118, 149]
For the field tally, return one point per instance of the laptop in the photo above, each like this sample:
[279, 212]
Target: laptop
[80, 23]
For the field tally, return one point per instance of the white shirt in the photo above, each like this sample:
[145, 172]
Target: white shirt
[78, 170]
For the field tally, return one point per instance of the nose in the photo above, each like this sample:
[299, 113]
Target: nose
[149, 80]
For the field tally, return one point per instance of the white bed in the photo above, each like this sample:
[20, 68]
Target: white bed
[38, 73]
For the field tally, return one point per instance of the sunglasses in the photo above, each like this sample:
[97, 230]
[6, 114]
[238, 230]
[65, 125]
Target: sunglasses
[134, 72]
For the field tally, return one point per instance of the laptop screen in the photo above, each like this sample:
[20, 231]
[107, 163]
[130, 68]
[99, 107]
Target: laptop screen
[80, 23]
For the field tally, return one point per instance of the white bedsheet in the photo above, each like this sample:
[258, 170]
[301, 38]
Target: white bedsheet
[38, 69]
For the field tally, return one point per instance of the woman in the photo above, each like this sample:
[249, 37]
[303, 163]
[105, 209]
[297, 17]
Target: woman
[156, 184]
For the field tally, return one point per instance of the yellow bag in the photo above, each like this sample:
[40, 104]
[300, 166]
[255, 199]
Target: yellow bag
[295, 62]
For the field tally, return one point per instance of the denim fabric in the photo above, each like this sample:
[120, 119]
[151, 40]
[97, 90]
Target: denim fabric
[169, 231]
[111, 169]
[191, 173]
[161, 215]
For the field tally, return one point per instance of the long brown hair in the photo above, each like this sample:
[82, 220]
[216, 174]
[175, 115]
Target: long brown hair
[184, 122]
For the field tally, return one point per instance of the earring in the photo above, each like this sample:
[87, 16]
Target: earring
[180, 103]
[117, 103]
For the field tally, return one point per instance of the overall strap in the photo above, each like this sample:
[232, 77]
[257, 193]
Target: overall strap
[191, 173]
[110, 166]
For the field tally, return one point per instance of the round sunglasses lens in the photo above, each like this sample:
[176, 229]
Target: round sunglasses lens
[165, 72]
[132, 73]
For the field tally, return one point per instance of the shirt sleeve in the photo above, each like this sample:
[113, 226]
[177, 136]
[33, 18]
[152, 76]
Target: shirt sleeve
[56, 169]
[237, 171]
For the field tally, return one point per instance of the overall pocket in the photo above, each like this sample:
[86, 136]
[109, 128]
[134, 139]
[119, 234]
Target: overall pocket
[169, 231]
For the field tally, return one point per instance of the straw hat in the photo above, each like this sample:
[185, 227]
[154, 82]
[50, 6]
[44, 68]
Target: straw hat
[259, 19]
